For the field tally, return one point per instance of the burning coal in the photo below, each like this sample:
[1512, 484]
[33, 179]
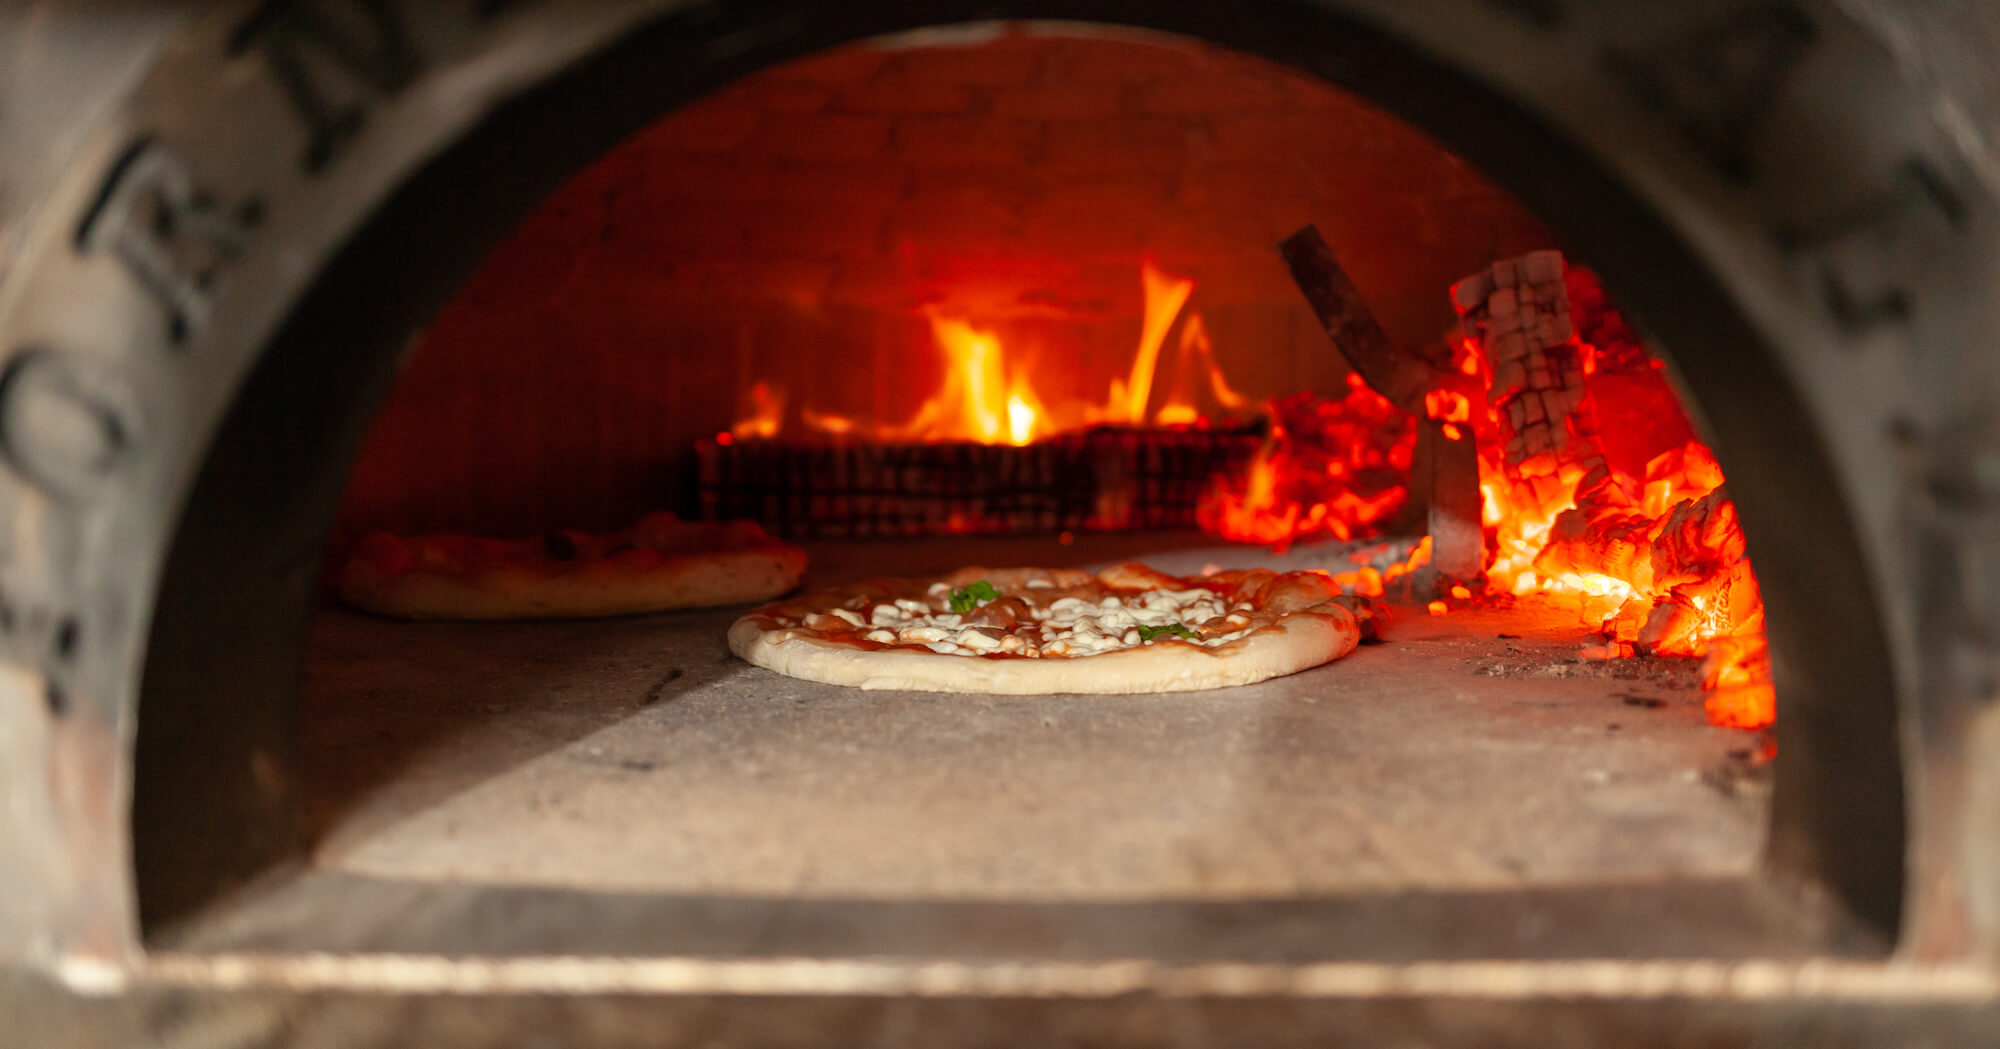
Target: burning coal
[1329, 468]
[1654, 560]
[1636, 532]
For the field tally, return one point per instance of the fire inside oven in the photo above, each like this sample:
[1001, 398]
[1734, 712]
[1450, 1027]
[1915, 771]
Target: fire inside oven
[1061, 300]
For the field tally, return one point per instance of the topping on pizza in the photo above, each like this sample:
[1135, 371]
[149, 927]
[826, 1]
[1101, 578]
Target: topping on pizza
[1129, 624]
[968, 598]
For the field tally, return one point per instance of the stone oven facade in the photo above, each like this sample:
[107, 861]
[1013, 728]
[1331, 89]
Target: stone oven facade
[583, 234]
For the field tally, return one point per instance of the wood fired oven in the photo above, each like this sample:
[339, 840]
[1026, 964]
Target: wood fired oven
[925, 285]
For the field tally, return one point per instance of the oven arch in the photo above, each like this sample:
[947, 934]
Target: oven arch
[248, 477]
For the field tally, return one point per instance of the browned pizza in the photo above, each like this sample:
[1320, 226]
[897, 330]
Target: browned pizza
[1025, 631]
[660, 563]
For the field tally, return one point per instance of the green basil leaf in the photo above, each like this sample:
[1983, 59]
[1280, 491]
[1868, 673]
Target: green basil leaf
[967, 598]
[1148, 633]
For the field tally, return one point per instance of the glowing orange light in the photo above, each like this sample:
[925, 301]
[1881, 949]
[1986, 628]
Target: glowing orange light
[1466, 356]
[1447, 405]
[1333, 467]
[1365, 581]
[1196, 368]
[985, 395]
[1438, 608]
[1165, 295]
[1020, 420]
[767, 413]
[1420, 556]
[826, 422]
[977, 401]
[1736, 677]
[1655, 563]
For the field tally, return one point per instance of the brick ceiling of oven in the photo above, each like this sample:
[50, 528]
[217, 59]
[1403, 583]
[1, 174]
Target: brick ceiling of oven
[796, 224]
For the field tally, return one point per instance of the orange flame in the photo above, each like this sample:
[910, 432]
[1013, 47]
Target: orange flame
[985, 397]
[978, 401]
[826, 422]
[1196, 349]
[767, 413]
[1020, 420]
[1165, 295]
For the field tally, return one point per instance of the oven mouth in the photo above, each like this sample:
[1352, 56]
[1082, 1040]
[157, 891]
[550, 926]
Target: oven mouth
[1726, 898]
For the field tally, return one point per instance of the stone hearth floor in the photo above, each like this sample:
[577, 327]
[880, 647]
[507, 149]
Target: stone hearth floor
[1475, 751]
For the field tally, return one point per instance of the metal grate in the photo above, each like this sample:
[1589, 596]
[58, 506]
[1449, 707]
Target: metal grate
[1104, 479]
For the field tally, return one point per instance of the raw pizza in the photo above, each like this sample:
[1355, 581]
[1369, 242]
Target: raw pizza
[660, 563]
[1033, 631]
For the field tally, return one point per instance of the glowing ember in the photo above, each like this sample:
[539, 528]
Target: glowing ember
[1338, 468]
[1652, 556]
[1656, 563]
[1736, 675]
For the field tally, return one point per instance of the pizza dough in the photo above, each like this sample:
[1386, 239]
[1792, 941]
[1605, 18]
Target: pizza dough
[660, 563]
[1040, 631]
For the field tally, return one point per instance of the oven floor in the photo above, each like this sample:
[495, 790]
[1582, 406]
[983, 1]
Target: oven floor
[1466, 752]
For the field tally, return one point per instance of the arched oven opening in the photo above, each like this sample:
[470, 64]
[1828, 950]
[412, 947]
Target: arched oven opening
[830, 264]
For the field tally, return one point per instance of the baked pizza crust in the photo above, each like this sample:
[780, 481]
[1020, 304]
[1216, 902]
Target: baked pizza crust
[1310, 627]
[659, 564]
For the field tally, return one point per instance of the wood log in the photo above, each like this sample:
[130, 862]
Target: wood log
[1101, 479]
[1390, 370]
[1517, 311]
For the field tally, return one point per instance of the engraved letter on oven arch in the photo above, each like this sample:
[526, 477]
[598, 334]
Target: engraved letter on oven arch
[174, 238]
[313, 44]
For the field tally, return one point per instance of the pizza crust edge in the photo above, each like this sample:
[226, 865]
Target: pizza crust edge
[1298, 641]
[732, 577]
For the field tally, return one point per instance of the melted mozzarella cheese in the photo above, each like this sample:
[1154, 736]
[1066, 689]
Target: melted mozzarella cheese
[1067, 626]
